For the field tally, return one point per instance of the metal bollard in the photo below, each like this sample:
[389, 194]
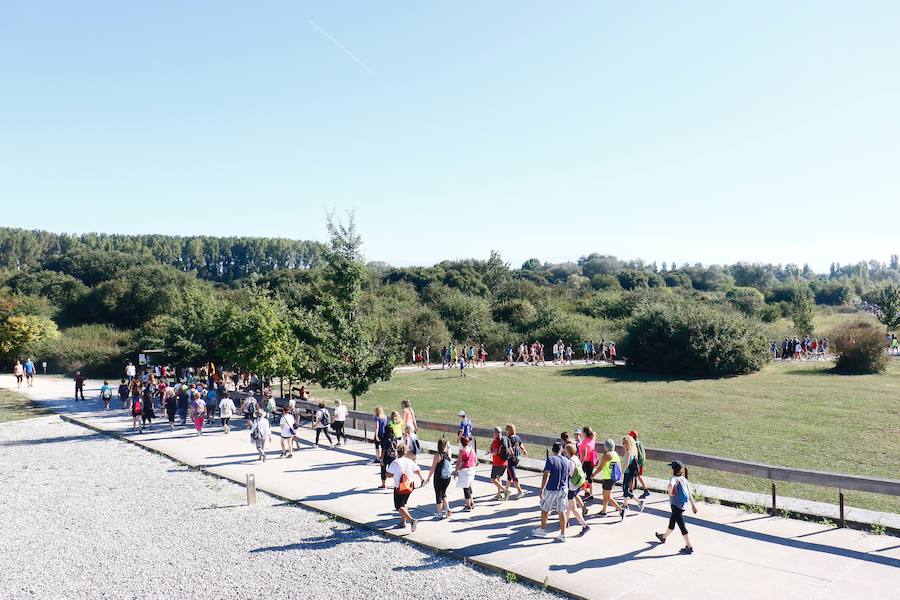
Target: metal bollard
[251, 489]
[774, 510]
[365, 431]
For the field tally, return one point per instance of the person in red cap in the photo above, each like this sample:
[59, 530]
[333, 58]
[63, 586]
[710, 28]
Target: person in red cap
[641, 459]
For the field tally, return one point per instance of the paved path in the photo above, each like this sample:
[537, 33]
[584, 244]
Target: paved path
[738, 555]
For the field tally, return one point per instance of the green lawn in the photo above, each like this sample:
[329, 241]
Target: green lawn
[14, 406]
[788, 414]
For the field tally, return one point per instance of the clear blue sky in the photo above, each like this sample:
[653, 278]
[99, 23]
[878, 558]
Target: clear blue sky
[699, 131]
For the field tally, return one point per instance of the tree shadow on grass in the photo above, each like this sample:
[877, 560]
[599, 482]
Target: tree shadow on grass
[625, 374]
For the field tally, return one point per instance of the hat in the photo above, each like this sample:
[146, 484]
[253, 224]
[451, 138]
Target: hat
[633, 434]
[462, 413]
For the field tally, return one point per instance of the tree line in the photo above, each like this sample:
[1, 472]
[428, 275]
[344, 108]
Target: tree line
[193, 296]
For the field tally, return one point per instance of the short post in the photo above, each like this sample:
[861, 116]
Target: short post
[841, 520]
[251, 489]
[475, 444]
[774, 508]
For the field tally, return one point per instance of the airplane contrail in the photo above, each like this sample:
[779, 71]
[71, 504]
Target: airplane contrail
[347, 52]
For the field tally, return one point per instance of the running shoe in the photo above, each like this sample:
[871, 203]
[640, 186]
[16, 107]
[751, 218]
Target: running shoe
[622, 514]
[539, 532]
[686, 550]
[641, 506]
[584, 530]
[413, 524]
[506, 495]
[660, 537]
[560, 538]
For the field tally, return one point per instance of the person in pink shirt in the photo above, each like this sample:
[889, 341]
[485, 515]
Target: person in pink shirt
[587, 453]
[409, 416]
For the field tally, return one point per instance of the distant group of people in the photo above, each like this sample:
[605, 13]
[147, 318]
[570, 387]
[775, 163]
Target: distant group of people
[893, 344]
[800, 349]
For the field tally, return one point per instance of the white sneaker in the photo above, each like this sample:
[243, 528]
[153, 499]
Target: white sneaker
[539, 532]
[560, 538]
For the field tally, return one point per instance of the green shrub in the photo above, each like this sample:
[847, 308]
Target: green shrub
[748, 300]
[690, 338]
[860, 349]
[517, 312]
[95, 350]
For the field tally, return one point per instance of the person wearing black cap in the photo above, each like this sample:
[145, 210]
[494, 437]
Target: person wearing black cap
[679, 497]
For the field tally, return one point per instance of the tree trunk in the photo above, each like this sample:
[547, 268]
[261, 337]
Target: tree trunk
[354, 408]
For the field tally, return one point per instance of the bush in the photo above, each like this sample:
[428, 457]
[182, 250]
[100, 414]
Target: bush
[688, 338]
[95, 350]
[518, 313]
[860, 349]
[748, 300]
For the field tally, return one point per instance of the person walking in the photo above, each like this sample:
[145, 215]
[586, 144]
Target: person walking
[29, 372]
[287, 425]
[679, 497]
[575, 484]
[629, 473]
[609, 471]
[226, 411]
[135, 390]
[466, 462]
[198, 412]
[212, 403]
[554, 492]
[465, 427]
[409, 416]
[395, 424]
[136, 413]
[402, 470]
[411, 441]
[378, 433]
[124, 390]
[260, 431]
[500, 452]
[321, 424]
[19, 372]
[170, 405]
[79, 386]
[105, 394]
[587, 454]
[641, 459]
[518, 450]
[441, 471]
[147, 412]
[340, 416]
[390, 441]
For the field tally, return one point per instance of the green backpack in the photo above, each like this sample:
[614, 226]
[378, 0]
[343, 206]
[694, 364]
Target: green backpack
[578, 477]
[641, 453]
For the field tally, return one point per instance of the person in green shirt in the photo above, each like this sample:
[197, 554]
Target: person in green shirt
[609, 470]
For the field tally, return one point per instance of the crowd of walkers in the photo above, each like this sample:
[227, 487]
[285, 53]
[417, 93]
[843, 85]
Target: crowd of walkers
[800, 349]
[525, 353]
[576, 461]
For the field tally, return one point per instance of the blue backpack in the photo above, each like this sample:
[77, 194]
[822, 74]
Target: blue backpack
[615, 472]
[446, 468]
[681, 497]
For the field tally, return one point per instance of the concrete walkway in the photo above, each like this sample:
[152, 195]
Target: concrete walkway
[737, 555]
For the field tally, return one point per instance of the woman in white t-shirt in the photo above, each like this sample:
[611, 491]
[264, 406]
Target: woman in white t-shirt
[260, 433]
[340, 416]
[397, 469]
[226, 410]
[287, 425]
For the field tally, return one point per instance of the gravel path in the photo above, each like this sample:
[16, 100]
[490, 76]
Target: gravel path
[87, 516]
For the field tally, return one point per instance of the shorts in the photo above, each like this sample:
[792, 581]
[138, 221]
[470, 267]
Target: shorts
[554, 501]
[225, 420]
[607, 484]
[573, 494]
[588, 468]
[400, 500]
[285, 437]
[497, 471]
[511, 472]
[19, 378]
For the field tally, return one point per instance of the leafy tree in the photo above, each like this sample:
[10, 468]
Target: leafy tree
[348, 350]
[886, 299]
[137, 296]
[258, 335]
[21, 333]
[802, 310]
[748, 300]
[677, 278]
[193, 331]
[631, 279]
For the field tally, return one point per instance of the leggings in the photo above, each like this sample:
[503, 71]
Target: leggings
[225, 421]
[467, 492]
[321, 430]
[628, 482]
[440, 489]
[384, 465]
[677, 518]
[339, 431]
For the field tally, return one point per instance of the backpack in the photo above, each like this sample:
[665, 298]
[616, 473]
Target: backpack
[107, 392]
[615, 472]
[516, 451]
[136, 408]
[578, 477]
[641, 453]
[325, 417]
[255, 434]
[250, 409]
[390, 447]
[681, 497]
[446, 468]
[505, 450]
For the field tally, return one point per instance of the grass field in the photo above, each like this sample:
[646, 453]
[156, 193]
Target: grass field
[15, 406]
[798, 415]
